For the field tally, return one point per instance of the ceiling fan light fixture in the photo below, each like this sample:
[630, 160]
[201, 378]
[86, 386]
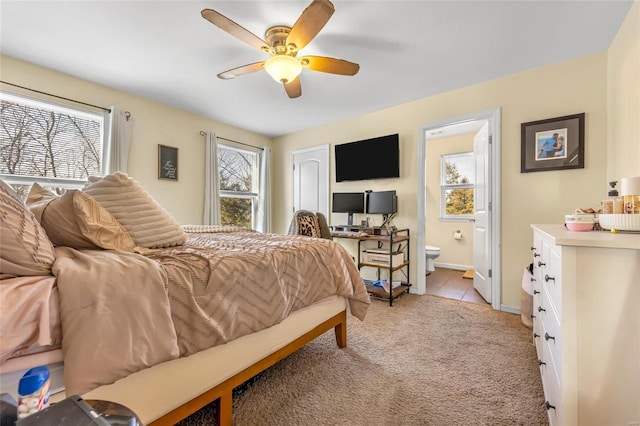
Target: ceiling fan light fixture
[283, 68]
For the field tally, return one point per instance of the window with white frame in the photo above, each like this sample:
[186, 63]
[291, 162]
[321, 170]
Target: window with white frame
[56, 146]
[457, 178]
[239, 185]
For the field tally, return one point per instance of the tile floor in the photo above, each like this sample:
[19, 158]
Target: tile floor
[450, 284]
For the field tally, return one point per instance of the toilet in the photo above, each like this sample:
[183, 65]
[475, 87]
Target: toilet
[431, 252]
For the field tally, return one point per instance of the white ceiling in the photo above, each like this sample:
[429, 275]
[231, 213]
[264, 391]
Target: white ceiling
[165, 51]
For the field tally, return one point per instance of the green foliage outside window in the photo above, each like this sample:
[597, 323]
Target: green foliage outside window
[457, 186]
[236, 211]
[459, 202]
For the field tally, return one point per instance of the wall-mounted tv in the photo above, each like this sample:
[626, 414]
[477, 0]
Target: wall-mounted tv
[376, 158]
[382, 202]
[348, 202]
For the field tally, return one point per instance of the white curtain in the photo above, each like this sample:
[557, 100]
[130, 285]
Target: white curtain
[264, 195]
[120, 130]
[211, 182]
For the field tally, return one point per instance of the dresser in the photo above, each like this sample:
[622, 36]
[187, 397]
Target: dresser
[586, 325]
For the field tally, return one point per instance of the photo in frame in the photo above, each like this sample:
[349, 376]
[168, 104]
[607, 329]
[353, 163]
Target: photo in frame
[167, 162]
[552, 144]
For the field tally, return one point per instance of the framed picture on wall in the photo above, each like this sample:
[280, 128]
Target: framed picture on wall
[552, 144]
[167, 162]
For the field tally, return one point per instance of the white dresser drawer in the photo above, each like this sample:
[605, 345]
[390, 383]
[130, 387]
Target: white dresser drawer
[551, 334]
[551, 385]
[552, 278]
[540, 307]
[537, 333]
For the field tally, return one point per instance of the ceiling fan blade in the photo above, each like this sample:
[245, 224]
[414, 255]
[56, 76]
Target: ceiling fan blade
[309, 24]
[293, 89]
[234, 29]
[240, 71]
[330, 65]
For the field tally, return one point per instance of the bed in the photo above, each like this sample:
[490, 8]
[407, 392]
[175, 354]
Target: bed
[161, 318]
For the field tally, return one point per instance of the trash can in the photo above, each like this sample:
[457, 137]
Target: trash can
[526, 297]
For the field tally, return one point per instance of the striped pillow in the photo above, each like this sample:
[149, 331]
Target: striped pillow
[76, 220]
[148, 223]
[26, 249]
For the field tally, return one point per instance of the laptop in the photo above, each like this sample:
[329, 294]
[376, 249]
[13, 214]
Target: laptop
[71, 411]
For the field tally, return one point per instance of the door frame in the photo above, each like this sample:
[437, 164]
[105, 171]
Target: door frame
[493, 196]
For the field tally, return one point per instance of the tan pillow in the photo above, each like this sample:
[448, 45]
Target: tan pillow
[25, 249]
[148, 223]
[76, 220]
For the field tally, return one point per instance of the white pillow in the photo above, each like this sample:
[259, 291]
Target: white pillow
[148, 223]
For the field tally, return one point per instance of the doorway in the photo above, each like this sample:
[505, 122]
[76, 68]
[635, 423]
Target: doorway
[486, 219]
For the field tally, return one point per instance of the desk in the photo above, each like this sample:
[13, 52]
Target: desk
[397, 242]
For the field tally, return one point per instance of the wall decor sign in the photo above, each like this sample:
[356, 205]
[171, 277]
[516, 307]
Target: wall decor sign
[552, 144]
[167, 162]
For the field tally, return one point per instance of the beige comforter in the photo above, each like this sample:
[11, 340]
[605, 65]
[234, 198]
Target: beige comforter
[122, 312]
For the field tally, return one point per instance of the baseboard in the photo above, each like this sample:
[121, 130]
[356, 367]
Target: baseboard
[453, 266]
[510, 309]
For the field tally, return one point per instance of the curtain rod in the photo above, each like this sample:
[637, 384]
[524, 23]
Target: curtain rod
[203, 133]
[56, 96]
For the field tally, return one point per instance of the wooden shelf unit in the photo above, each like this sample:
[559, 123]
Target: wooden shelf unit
[397, 241]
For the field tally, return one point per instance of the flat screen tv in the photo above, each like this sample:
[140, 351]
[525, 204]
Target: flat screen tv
[376, 158]
[382, 202]
[348, 202]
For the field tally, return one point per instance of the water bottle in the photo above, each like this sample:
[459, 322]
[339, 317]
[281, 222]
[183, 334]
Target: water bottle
[33, 391]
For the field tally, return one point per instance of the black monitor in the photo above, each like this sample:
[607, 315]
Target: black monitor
[382, 202]
[348, 202]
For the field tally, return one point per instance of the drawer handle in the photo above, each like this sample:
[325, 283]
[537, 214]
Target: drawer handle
[547, 337]
[548, 405]
[536, 254]
[533, 317]
[533, 280]
[535, 335]
[541, 309]
[547, 278]
[540, 362]
[536, 292]
[541, 264]
[532, 248]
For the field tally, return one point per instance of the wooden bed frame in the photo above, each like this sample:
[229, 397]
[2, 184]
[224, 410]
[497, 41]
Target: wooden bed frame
[224, 391]
[169, 392]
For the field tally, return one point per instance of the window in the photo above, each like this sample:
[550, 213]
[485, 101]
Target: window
[239, 185]
[56, 146]
[457, 180]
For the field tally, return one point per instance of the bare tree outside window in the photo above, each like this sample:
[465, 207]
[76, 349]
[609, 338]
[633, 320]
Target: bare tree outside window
[44, 141]
[238, 186]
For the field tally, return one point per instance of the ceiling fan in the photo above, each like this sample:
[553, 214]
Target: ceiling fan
[283, 44]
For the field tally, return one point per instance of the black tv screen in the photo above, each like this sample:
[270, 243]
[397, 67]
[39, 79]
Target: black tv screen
[376, 158]
[348, 202]
[382, 202]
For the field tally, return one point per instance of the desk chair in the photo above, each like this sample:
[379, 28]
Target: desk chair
[305, 222]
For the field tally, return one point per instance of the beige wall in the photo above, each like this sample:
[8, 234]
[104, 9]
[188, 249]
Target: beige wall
[439, 232]
[565, 88]
[623, 90]
[155, 124]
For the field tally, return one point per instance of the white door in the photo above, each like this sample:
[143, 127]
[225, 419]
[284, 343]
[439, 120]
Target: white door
[482, 223]
[310, 179]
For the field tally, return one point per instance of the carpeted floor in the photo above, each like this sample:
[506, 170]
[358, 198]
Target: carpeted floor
[425, 361]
